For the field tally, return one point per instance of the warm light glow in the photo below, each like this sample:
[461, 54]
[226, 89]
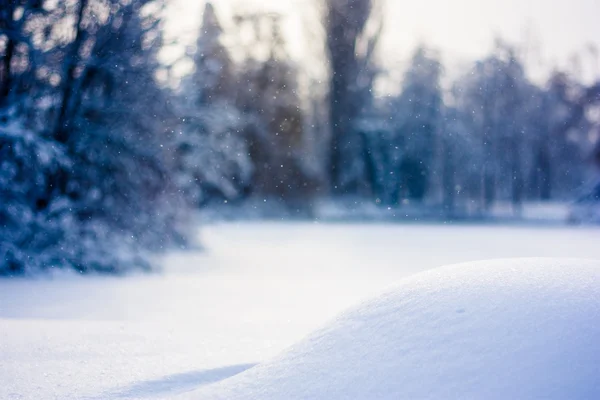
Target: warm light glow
[551, 32]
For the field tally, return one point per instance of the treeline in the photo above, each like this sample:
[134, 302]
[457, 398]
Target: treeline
[490, 135]
[101, 159]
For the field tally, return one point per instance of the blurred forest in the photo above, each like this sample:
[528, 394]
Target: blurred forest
[102, 159]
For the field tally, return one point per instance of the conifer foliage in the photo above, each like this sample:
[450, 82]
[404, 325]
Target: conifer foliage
[85, 166]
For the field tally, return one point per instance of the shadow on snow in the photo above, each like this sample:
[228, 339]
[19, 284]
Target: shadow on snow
[177, 383]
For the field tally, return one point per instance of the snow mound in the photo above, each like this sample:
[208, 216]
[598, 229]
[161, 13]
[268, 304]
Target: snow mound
[525, 328]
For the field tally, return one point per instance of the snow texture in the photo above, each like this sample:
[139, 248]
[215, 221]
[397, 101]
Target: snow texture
[255, 290]
[525, 328]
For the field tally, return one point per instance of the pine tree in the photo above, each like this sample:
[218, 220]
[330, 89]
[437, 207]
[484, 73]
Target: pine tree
[213, 160]
[83, 154]
[419, 116]
[269, 96]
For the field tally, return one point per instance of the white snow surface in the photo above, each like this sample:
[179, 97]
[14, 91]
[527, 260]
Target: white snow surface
[503, 329]
[257, 289]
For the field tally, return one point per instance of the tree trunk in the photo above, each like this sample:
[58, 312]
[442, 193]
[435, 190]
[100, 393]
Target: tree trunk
[545, 173]
[344, 23]
[339, 126]
[489, 173]
[6, 15]
[5, 78]
[63, 121]
[516, 176]
[448, 182]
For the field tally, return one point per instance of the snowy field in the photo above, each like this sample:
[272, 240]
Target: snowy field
[522, 328]
[256, 289]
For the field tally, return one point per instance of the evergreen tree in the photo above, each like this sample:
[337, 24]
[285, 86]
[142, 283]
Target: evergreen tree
[419, 116]
[213, 158]
[494, 93]
[85, 168]
[268, 94]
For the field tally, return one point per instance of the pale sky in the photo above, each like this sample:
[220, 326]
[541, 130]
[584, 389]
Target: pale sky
[463, 30]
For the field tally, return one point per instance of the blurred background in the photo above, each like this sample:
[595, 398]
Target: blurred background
[123, 123]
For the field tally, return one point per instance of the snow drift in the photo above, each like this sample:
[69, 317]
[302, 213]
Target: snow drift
[526, 328]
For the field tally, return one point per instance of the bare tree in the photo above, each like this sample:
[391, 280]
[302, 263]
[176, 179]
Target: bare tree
[350, 78]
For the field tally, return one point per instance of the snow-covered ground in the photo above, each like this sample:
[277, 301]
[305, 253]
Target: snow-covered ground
[495, 329]
[256, 289]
